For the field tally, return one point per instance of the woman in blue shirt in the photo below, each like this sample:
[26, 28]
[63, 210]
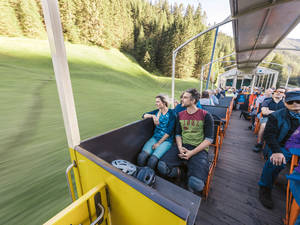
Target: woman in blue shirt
[162, 139]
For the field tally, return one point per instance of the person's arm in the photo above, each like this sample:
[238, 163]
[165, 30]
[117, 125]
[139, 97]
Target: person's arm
[165, 137]
[209, 138]
[178, 138]
[216, 100]
[150, 114]
[266, 111]
[271, 134]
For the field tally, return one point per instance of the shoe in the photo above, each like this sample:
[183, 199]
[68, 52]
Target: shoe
[258, 147]
[265, 197]
[175, 173]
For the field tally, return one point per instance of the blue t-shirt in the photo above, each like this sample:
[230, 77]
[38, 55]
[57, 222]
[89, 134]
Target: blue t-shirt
[180, 108]
[241, 98]
[166, 125]
[272, 105]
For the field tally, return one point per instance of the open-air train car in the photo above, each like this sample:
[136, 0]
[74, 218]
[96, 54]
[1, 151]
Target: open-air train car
[104, 194]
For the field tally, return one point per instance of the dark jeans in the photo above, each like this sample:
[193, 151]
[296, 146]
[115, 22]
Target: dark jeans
[197, 165]
[270, 172]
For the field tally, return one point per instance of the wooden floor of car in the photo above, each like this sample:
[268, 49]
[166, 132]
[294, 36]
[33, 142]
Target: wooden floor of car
[233, 198]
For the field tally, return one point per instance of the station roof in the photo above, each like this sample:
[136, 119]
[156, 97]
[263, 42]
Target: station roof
[259, 27]
[259, 71]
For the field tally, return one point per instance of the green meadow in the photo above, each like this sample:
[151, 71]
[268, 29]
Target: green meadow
[110, 90]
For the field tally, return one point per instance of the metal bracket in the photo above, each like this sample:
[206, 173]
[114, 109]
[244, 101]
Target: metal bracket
[99, 209]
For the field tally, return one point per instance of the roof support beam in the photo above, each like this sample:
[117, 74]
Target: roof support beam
[288, 49]
[247, 62]
[262, 6]
[250, 49]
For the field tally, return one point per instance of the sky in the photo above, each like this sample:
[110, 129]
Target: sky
[218, 10]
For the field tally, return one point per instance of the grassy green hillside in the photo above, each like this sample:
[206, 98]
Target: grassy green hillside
[110, 90]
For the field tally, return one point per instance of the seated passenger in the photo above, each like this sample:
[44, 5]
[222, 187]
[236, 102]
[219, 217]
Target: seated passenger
[267, 107]
[229, 93]
[265, 96]
[280, 126]
[205, 99]
[180, 107]
[161, 141]
[219, 93]
[294, 142]
[213, 97]
[240, 99]
[194, 133]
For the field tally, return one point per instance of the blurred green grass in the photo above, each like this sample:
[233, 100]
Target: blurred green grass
[110, 90]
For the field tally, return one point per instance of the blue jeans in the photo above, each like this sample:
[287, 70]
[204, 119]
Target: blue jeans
[270, 172]
[159, 151]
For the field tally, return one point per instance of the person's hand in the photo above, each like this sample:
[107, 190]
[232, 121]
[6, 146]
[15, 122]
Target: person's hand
[277, 159]
[182, 149]
[155, 146]
[186, 155]
[155, 120]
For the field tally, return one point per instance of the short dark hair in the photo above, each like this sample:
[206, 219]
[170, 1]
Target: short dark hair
[205, 94]
[195, 95]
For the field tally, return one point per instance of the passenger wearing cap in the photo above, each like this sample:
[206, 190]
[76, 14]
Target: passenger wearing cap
[279, 128]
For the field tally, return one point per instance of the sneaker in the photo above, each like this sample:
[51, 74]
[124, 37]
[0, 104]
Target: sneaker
[258, 147]
[265, 197]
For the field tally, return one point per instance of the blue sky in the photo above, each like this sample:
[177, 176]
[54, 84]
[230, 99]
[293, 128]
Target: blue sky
[218, 10]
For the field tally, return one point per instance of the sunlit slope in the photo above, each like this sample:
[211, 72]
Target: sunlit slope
[110, 90]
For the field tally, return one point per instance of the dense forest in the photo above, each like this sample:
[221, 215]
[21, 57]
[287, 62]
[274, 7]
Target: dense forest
[147, 30]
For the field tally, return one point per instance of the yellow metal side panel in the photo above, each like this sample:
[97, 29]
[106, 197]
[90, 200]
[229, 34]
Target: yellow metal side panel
[128, 206]
[78, 211]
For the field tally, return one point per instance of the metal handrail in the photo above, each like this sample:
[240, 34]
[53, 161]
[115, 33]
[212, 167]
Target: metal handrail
[69, 180]
[99, 218]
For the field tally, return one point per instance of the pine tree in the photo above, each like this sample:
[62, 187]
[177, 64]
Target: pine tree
[68, 19]
[30, 19]
[9, 24]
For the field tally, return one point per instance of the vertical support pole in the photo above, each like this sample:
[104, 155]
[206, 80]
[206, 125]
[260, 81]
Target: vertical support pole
[271, 80]
[212, 58]
[201, 79]
[253, 83]
[61, 70]
[173, 77]
[242, 83]
[267, 82]
[258, 80]
[275, 79]
[262, 80]
[288, 78]
[234, 81]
